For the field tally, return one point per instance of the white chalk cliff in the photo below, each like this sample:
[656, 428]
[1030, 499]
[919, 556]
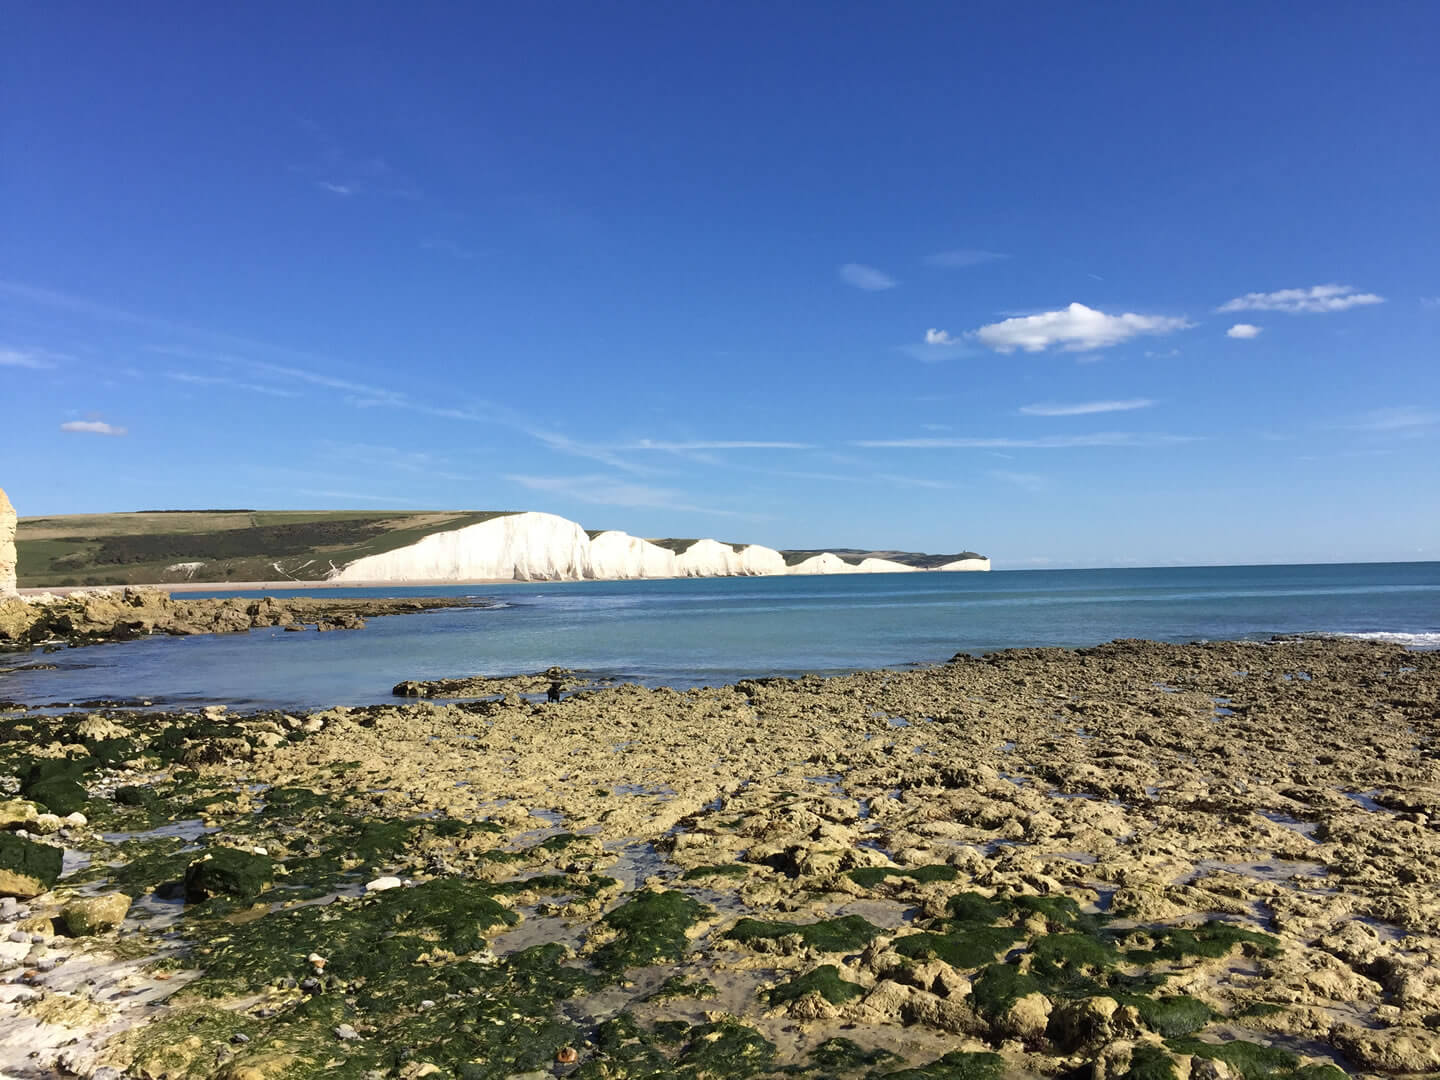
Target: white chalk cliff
[7, 545]
[543, 547]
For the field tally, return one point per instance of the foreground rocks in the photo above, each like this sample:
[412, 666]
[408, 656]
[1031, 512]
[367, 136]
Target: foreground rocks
[1138, 860]
[85, 618]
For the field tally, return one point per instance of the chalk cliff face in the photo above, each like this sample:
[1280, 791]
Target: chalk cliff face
[967, 564]
[7, 546]
[620, 555]
[543, 547]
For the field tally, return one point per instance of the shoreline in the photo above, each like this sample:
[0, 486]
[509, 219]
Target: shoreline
[1170, 855]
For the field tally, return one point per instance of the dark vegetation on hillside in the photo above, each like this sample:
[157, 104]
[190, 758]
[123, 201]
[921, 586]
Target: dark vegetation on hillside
[276, 540]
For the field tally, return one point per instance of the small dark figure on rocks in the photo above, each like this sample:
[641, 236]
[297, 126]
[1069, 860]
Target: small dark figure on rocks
[553, 694]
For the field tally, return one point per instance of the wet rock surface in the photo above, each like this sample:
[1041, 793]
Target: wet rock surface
[87, 618]
[1138, 860]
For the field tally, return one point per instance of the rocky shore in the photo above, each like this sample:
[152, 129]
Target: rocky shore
[88, 618]
[1138, 860]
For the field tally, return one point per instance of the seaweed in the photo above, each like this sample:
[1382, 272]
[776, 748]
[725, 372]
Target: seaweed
[652, 926]
[968, 948]
[957, 1065]
[870, 876]
[1250, 1060]
[845, 934]
[1211, 941]
[824, 980]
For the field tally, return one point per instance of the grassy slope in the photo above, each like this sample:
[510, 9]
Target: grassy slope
[234, 545]
[247, 545]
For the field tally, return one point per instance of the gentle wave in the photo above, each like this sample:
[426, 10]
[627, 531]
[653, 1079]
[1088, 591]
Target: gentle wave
[1421, 640]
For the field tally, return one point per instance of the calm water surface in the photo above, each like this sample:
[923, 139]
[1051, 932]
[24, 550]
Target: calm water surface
[716, 630]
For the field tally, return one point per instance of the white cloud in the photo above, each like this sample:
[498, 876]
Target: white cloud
[1432, 302]
[338, 189]
[1243, 330]
[1054, 442]
[652, 444]
[866, 277]
[1075, 328]
[1317, 298]
[1027, 481]
[26, 358]
[963, 257]
[608, 491]
[1403, 418]
[93, 427]
[1085, 408]
[220, 380]
[939, 337]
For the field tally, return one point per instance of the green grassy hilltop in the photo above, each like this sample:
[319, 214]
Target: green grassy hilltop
[162, 547]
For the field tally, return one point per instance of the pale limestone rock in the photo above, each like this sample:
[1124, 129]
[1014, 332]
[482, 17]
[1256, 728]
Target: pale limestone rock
[7, 546]
[95, 914]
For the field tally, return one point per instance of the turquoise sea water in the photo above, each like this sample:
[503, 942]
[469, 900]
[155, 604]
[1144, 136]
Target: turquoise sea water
[717, 630]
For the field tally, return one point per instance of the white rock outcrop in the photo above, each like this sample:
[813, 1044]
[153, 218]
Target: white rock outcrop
[967, 564]
[824, 563]
[7, 546]
[619, 555]
[535, 546]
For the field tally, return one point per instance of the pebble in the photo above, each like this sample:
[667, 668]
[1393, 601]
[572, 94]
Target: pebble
[240, 1037]
[346, 1032]
[310, 986]
[380, 884]
[76, 819]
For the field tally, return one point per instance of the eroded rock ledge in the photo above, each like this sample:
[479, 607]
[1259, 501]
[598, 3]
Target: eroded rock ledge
[1138, 860]
[86, 618]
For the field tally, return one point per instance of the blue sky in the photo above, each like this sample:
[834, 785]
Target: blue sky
[1067, 284]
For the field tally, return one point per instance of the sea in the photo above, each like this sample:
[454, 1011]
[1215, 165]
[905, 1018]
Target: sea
[711, 631]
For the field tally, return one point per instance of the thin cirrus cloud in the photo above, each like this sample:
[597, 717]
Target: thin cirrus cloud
[1314, 300]
[1405, 418]
[718, 444]
[1076, 328]
[1243, 330]
[34, 359]
[608, 491]
[1085, 408]
[93, 427]
[961, 257]
[1053, 442]
[866, 277]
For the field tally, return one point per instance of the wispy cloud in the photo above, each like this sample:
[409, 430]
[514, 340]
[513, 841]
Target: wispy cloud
[740, 444]
[1032, 482]
[1244, 331]
[963, 257]
[1401, 418]
[612, 491]
[866, 277]
[1317, 298]
[372, 457]
[1052, 442]
[939, 337]
[1085, 408]
[356, 496]
[1075, 329]
[1431, 302]
[337, 171]
[93, 427]
[912, 481]
[35, 359]
[193, 379]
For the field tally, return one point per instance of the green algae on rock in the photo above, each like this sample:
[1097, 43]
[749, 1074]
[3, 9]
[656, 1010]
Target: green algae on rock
[651, 926]
[846, 934]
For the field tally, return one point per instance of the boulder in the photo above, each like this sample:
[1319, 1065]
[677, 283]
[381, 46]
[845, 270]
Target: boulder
[1396, 1049]
[229, 872]
[7, 546]
[95, 914]
[27, 868]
